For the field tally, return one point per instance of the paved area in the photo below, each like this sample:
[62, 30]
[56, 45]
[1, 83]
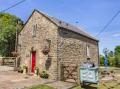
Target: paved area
[14, 80]
[6, 68]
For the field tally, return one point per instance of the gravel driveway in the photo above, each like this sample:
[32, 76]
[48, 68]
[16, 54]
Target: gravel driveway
[10, 79]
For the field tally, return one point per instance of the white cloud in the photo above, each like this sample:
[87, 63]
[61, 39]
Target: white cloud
[116, 35]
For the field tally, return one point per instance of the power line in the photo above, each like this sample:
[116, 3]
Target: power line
[102, 30]
[14, 5]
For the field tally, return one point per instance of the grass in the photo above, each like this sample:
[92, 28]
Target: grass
[109, 85]
[41, 87]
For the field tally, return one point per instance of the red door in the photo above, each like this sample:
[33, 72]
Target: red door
[33, 61]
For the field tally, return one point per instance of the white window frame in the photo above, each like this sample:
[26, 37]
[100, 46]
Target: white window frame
[88, 50]
[34, 30]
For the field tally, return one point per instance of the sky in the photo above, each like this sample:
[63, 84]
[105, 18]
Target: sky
[89, 15]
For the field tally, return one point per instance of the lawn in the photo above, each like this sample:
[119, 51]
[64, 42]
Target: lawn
[41, 87]
[108, 85]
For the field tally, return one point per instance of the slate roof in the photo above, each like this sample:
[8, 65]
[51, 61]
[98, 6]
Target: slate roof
[66, 25]
[71, 27]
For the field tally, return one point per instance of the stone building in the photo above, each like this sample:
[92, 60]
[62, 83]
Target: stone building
[45, 41]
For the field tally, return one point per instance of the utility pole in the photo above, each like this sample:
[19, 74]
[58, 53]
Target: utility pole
[16, 39]
[16, 44]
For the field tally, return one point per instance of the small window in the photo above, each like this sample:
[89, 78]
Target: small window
[34, 30]
[88, 51]
[64, 32]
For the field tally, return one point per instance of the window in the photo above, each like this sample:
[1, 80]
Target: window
[88, 51]
[64, 32]
[34, 30]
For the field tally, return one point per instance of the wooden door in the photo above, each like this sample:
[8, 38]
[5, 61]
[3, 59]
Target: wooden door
[33, 64]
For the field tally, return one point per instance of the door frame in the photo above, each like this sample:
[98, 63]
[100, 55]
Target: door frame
[31, 61]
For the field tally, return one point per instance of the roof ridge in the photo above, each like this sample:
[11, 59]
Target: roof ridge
[66, 25]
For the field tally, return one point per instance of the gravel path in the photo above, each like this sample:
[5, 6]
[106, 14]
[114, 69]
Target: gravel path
[14, 80]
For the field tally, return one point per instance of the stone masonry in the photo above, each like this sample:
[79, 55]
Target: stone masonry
[65, 45]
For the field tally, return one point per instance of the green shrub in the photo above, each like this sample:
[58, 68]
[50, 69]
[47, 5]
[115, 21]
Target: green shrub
[41, 87]
[25, 67]
[44, 74]
[20, 70]
[37, 70]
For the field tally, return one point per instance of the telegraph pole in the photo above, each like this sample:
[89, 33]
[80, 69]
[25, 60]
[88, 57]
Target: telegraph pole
[16, 44]
[16, 39]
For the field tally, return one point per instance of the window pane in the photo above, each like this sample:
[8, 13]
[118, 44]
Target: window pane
[34, 30]
[88, 51]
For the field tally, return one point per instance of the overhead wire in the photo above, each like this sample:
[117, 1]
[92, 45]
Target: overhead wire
[12, 6]
[109, 22]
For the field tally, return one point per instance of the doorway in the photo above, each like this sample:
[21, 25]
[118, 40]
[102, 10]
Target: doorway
[33, 61]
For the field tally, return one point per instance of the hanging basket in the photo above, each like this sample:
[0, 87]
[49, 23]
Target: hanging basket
[45, 51]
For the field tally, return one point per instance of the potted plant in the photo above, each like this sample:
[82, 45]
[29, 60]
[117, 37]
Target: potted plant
[20, 70]
[44, 75]
[25, 69]
[36, 71]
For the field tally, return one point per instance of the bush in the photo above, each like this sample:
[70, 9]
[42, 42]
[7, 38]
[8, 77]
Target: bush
[37, 70]
[41, 87]
[25, 67]
[44, 74]
[20, 70]
[111, 61]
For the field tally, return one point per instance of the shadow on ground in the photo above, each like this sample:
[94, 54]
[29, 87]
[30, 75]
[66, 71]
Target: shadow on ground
[89, 87]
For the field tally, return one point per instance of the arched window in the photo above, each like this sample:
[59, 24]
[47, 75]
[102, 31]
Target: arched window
[88, 51]
[34, 30]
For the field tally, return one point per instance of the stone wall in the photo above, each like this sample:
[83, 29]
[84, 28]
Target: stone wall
[72, 48]
[46, 30]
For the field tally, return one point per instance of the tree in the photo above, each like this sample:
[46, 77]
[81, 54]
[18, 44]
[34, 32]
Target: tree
[117, 56]
[101, 60]
[8, 27]
[111, 54]
[111, 59]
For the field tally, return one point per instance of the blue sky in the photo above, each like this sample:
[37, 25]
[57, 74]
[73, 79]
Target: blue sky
[91, 15]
